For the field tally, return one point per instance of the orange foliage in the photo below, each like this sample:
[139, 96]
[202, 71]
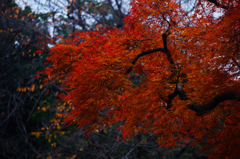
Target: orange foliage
[188, 63]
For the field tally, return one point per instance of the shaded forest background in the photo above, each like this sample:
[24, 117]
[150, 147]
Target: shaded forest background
[30, 123]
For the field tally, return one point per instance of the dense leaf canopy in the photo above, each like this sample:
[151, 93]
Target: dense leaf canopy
[187, 65]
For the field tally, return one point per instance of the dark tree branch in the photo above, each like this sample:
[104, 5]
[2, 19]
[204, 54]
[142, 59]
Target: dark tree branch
[200, 110]
[111, 6]
[218, 4]
[143, 54]
[170, 98]
[164, 49]
[164, 35]
[181, 92]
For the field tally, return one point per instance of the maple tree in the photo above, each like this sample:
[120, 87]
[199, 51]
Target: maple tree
[187, 62]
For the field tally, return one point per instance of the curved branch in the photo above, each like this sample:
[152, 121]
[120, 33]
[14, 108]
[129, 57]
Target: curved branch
[143, 54]
[200, 110]
[218, 4]
[164, 49]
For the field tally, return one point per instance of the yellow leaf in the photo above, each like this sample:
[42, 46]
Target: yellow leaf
[37, 134]
[58, 115]
[58, 127]
[96, 130]
[44, 109]
[33, 87]
[105, 131]
[53, 144]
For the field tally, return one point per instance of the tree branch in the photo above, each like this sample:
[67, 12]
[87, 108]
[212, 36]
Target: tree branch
[143, 54]
[218, 4]
[164, 49]
[200, 110]
[170, 98]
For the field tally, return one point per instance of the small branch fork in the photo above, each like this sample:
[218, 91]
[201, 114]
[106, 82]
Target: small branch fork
[164, 49]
